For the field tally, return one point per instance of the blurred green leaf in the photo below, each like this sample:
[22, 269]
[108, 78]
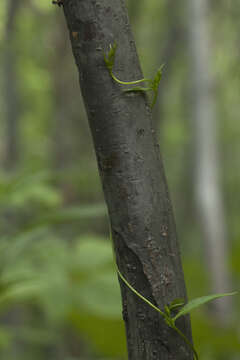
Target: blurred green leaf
[208, 335]
[106, 335]
[5, 337]
[68, 215]
[100, 295]
[20, 292]
[76, 213]
[93, 253]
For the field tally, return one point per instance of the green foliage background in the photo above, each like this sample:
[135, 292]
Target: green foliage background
[59, 295]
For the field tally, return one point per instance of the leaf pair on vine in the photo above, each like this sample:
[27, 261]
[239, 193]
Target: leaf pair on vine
[177, 305]
[153, 84]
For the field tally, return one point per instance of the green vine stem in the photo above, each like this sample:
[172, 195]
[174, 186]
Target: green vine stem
[109, 59]
[187, 341]
[127, 82]
[139, 295]
[177, 303]
[166, 315]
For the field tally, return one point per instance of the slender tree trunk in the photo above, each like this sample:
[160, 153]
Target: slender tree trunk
[167, 56]
[133, 178]
[208, 191]
[11, 87]
[61, 148]
[67, 119]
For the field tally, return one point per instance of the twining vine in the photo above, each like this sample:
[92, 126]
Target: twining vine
[153, 84]
[177, 304]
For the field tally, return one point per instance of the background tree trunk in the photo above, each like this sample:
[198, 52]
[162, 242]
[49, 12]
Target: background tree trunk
[169, 51]
[62, 117]
[11, 87]
[11, 133]
[207, 181]
[133, 178]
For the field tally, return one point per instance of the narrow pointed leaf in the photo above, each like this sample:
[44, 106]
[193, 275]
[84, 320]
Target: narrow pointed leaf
[176, 303]
[195, 303]
[110, 57]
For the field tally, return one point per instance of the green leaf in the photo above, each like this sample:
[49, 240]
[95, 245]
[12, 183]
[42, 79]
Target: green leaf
[167, 311]
[94, 248]
[75, 213]
[68, 215]
[112, 51]
[110, 57]
[96, 329]
[21, 292]
[195, 303]
[157, 78]
[176, 303]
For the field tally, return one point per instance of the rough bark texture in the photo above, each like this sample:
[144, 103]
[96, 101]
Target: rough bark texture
[132, 175]
[207, 180]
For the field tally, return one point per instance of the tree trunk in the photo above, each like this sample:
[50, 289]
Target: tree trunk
[169, 52]
[207, 183]
[11, 87]
[133, 178]
[62, 118]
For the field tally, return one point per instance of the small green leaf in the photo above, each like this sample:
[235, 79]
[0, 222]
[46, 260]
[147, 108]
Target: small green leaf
[167, 311]
[176, 303]
[157, 78]
[112, 51]
[110, 57]
[195, 303]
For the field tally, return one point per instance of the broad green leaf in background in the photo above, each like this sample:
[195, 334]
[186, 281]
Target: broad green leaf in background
[21, 292]
[92, 252]
[5, 337]
[67, 216]
[106, 335]
[76, 213]
[100, 295]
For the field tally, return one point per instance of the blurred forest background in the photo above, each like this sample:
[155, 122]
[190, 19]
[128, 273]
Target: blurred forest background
[59, 295]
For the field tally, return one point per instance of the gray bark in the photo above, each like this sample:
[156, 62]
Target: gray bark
[207, 180]
[133, 178]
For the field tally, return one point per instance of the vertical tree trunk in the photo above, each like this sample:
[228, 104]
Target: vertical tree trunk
[61, 124]
[208, 191]
[67, 119]
[132, 175]
[11, 87]
[173, 38]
